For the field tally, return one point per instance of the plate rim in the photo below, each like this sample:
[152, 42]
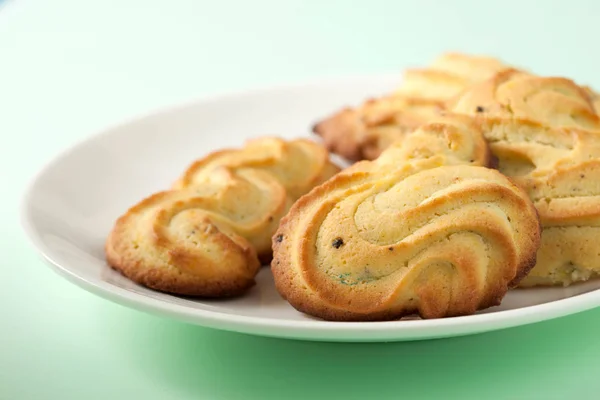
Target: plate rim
[398, 330]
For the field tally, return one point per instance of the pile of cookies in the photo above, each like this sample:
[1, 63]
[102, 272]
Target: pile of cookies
[472, 178]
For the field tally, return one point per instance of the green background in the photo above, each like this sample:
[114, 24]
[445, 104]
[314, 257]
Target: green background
[70, 68]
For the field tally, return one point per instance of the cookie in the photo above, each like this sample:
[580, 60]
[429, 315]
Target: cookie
[364, 132]
[425, 229]
[298, 165]
[545, 133]
[448, 75]
[207, 235]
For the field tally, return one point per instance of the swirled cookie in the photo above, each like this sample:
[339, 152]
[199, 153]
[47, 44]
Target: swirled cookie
[205, 237]
[448, 75]
[364, 132]
[546, 135]
[423, 229]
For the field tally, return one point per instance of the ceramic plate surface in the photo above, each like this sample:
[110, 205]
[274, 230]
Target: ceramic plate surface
[72, 203]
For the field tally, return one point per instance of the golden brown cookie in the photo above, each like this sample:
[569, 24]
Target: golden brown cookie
[448, 75]
[423, 229]
[546, 135]
[364, 132]
[205, 236]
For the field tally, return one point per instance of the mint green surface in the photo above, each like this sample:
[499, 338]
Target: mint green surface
[70, 68]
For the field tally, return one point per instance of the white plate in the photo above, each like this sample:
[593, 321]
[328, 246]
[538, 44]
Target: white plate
[72, 203]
